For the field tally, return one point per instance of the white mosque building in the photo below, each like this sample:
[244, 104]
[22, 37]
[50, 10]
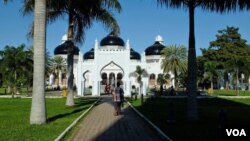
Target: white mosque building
[111, 61]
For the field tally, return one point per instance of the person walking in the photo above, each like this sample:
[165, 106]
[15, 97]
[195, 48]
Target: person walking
[118, 97]
[172, 91]
[107, 89]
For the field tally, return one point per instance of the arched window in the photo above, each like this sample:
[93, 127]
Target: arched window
[160, 75]
[119, 76]
[112, 79]
[104, 75]
[152, 76]
[104, 78]
[111, 75]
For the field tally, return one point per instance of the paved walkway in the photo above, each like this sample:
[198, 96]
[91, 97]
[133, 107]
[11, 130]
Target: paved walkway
[101, 125]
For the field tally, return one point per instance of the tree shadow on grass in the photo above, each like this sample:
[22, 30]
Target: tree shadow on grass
[80, 103]
[169, 113]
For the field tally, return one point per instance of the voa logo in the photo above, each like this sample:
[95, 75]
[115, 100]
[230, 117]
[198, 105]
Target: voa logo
[236, 132]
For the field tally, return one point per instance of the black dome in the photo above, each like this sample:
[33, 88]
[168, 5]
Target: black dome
[62, 49]
[134, 55]
[154, 49]
[89, 55]
[112, 40]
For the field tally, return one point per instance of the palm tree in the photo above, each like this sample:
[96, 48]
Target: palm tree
[81, 16]
[58, 65]
[15, 64]
[38, 109]
[210, 72]
[162, 79]
[140, 73]
[235, 64]
[175, 60]
[48, 62]
[211, 5]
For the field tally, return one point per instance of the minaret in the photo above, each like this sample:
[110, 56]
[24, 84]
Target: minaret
[127, 44]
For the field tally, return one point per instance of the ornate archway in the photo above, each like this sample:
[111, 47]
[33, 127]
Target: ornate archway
[114, 73]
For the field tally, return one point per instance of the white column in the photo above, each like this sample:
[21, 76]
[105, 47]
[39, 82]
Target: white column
[79, 72]
[144, 85]
[127, 88]
[115, 79]
[82, 88]
[95, 88]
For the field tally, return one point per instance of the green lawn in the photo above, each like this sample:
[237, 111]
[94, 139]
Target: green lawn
[231, 93]
[14, 118]
[206, 129]
[2, 91]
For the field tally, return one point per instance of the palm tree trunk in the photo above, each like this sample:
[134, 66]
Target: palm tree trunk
[237, 82]
[212, 87]
[192, 113]
[175, 80]
[12, 92]
[38, 107]
[70, 57]
[60, 78]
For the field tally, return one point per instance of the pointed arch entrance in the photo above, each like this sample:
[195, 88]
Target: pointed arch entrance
[111, 73]
[87, 83]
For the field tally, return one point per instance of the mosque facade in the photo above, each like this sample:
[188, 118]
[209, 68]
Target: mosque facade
[111, 61]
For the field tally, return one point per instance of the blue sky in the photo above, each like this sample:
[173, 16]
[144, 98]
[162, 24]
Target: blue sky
[140, 22]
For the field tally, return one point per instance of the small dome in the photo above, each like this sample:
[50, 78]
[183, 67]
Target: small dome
[62, 49]
[134, 55]
[154, 49]
[89, 55]
[112, 40]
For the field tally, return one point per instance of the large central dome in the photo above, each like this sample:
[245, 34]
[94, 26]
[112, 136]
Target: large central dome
[112, 40]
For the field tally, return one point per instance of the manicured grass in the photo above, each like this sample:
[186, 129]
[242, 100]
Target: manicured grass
[24, 91]
[206, 128]
[231, 92]
[2, 91]
[14, 118]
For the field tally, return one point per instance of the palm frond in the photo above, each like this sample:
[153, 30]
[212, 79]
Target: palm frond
[108, 20]
[114, 4]
[222, 6]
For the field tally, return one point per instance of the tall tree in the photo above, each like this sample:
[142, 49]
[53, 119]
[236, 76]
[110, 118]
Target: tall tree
[210, 72]
[140, 72]
[211, 5]
[230, 51]
[38, 113]
[175, 60]
[81, 16]
[58, 67]
[162, 79]
[48, 61]
[15, 64]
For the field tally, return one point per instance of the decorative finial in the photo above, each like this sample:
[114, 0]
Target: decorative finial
[159, 38]
[64, 38]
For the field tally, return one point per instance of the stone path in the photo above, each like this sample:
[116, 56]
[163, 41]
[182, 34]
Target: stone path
[101, 125]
